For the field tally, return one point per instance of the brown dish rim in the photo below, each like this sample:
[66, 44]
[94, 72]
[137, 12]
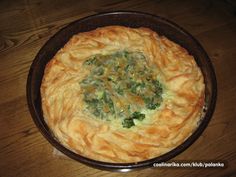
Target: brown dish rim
[131, 19]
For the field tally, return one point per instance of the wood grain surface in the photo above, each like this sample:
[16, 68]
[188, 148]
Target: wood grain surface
[25, 25]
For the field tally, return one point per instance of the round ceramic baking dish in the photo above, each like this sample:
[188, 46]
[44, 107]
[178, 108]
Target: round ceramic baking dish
[130, 19]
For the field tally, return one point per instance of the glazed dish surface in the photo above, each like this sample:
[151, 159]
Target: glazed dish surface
[120, 94]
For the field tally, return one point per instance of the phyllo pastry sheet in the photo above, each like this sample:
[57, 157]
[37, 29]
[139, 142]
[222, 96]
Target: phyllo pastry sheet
[119, 94]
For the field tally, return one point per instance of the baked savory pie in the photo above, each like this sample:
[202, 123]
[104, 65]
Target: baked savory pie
[119, 94]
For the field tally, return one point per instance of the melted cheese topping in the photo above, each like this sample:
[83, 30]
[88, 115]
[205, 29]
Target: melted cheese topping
[95, 111]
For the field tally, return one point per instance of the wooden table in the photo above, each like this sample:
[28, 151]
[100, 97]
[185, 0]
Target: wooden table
[25, 25]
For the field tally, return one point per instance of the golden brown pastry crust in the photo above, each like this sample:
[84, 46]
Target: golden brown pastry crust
[174, 122]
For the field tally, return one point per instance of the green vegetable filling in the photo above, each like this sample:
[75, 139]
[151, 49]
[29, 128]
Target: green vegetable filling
[121, 85]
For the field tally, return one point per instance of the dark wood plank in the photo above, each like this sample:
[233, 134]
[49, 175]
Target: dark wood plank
[25, 25]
